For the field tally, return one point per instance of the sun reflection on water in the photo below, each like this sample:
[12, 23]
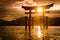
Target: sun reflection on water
[39, 33]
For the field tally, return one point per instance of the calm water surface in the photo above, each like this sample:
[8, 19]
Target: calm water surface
[19, 33]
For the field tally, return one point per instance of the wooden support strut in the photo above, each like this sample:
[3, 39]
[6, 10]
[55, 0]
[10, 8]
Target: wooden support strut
[25, 23]
[32, 22]
[46, 23]
[29, 24]
[26, 28]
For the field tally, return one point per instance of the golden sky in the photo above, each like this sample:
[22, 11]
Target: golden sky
[15, 13]
[9, 2]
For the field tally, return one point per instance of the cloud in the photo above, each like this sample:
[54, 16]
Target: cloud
[8, 14]
[48, 1]
[4, 3]
[7, 2]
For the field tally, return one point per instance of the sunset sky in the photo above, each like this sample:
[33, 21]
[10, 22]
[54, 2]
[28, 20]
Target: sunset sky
[9, 2]
[10, 9]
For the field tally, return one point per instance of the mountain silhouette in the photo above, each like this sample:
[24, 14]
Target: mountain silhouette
[17, 22]
[21, 22]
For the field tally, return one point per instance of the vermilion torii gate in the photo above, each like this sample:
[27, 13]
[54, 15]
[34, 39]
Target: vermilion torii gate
[30, 12]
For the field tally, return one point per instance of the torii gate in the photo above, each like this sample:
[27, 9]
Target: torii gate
[30, 12]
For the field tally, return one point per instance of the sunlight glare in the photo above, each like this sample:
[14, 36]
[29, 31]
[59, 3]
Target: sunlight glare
[30, 1]
[34, 4]
[39, 31]
[39, 9]
[33, 10]
[55, 7]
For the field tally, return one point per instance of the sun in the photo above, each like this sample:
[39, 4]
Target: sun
[39, 9]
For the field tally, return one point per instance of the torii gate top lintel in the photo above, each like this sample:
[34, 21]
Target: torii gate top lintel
[34, 7]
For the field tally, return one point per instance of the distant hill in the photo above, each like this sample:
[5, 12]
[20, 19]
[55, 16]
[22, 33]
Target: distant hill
[21, 22]
[54, 21]
[18, 22]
